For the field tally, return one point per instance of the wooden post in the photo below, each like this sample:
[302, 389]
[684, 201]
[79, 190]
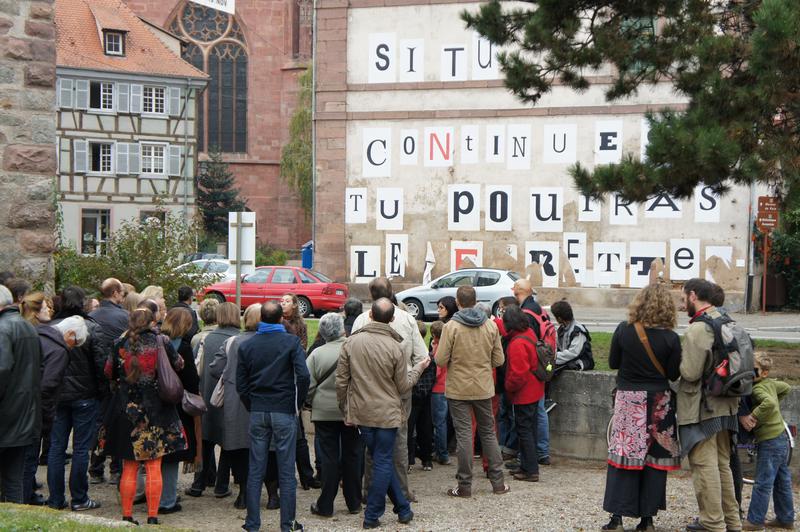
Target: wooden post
[764, 275]
[239, 260]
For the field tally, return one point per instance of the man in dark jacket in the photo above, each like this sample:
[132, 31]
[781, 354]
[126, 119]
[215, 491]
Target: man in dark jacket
[185, 296]
[20, 395]
[272, 380]
[77, 410]
[112, 321]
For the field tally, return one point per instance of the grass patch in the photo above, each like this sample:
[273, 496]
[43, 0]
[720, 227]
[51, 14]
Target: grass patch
[14, 518]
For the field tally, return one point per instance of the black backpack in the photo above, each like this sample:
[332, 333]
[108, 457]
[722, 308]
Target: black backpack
[732, 359]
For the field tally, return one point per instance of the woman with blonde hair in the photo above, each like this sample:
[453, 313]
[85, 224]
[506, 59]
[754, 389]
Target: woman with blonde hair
[208, 315]
[235, 433]
[644, 437]
[36, 307]
[177, 323]
[156, 293]
[132, 301]
[228, 326]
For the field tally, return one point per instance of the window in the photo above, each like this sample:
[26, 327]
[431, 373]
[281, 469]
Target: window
[456, 279]
[101, 96]
[488, 278]
[114, 42]
[283, 276]
[101, 157]
[259, 276]
[217, 46]
[217, 267]
[153, 100]
[94, 231]
[322, 277]
[305, 278]
[153, 159]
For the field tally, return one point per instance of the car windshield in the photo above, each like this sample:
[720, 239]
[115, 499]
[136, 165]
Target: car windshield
[321, 277]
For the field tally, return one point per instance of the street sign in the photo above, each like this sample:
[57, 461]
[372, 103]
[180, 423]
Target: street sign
[768, 212]
[228, 6]
[242, 246]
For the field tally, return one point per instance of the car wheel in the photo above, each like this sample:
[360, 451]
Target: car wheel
[496, 309]
[414, 307]
[216, 295]
[304, 306]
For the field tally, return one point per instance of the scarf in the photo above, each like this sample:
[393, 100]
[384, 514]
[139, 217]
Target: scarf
[265, 328]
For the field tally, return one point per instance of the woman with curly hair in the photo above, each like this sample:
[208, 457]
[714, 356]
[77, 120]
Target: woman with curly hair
[140, 427]
[293, 320]
[644, 438]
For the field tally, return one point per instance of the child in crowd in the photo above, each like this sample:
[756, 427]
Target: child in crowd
[439, 402]
[772, 471]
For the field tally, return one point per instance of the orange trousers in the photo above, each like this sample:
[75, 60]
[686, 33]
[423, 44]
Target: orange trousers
[152, 486]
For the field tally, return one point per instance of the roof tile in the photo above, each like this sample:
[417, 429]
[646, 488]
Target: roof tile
[79, 44]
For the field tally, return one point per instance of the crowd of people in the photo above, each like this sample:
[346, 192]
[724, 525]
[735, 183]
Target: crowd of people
[151, 389]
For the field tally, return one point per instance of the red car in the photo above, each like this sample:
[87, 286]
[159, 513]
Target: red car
[315, 291]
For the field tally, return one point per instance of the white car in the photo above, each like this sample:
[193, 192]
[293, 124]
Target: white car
[490, 285]
[222, 267]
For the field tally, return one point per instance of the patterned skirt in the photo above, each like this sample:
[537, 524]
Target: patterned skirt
[644, 431]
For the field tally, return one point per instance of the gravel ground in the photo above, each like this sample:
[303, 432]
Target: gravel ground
[569, 497]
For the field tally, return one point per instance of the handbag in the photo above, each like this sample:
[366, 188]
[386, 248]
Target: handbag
[170, 388]
[193, 404]
[646, 343]
[217, 398]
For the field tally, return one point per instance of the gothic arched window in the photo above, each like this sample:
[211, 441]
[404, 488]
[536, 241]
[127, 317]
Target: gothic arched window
[217, 47]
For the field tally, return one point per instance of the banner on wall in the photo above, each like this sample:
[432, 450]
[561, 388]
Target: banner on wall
[228, 6]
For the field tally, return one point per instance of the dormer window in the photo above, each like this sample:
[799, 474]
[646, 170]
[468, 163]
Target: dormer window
[114, 42]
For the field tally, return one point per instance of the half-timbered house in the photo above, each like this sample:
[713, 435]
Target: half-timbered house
[126, 120]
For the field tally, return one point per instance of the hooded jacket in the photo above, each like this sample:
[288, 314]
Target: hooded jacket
[372, 376]
[470, 348]
[55, 358]
[20, 377]
[521, 385]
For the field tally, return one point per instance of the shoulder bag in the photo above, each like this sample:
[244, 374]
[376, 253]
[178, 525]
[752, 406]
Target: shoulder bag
[646, 343]
[218, 394]
[170, 388]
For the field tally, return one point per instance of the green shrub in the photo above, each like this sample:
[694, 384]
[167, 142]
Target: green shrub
[269, 256]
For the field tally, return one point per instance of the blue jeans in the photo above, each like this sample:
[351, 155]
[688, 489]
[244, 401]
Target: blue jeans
[506, 426]
[543, 433]
[439, 415]
[78, 417]
[281, 429]
[772, 476]
[169, 484]
[380, 444]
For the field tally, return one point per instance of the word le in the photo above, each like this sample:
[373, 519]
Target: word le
[391, 60]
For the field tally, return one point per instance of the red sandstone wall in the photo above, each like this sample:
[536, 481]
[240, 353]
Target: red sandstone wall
[272, 88]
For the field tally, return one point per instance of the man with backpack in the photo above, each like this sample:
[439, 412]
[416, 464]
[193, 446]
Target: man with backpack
[470, 348]
[574, 349]
[545, 331]
[706, 417]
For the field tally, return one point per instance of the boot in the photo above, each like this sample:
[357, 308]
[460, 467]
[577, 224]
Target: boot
[273, 502]
[646, 525]
[614, 524]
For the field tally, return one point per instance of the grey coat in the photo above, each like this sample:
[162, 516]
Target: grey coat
[213, 419]
[235, 433]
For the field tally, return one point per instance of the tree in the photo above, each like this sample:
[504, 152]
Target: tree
[216, 194]
[139, 252]
[736, 61]
[296, 155]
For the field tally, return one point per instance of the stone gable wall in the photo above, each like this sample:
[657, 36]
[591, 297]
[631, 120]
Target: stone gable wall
[27, 136]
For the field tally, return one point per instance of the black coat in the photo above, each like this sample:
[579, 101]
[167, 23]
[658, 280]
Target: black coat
[112, 321]
[20, 380]
[195, 326]
[55, 358]
[191, 383]
[84, 376]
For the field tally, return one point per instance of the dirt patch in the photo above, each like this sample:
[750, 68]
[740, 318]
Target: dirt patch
[785, 363]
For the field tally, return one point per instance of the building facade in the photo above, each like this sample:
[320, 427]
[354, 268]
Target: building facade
[27, 136]
[423, 156]
[253, 59]
[126, 121]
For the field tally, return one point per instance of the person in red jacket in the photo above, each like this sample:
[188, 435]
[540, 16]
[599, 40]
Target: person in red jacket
[524, 390]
